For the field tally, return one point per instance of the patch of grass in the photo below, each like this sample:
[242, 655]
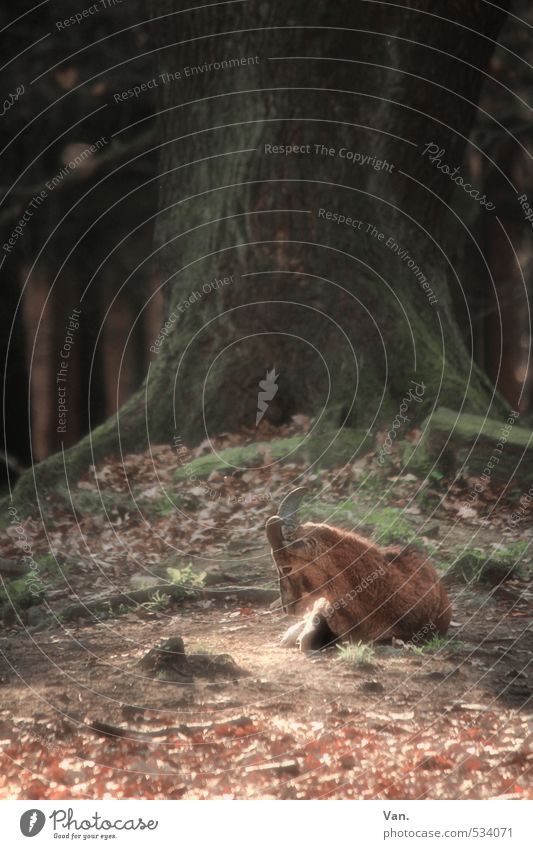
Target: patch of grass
[162, 506]
[356, 654]
[512, 552]
[46, 562]
[370, 482]
[429, 547]
[51, 570]
[469, 566]
[390, 526]
[427, 499]
[388, 523]
[158, 602]
[321, 511]
[318, 511]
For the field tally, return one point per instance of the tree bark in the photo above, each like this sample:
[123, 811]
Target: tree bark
[332, 308]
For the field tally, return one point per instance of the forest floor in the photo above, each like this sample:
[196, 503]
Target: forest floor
[451, 720]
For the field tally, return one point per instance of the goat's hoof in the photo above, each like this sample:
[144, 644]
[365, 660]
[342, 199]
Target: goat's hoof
[290, 638]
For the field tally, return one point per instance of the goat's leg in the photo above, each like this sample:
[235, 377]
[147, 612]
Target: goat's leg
[311, 633]
[316, 633]
[291, 637]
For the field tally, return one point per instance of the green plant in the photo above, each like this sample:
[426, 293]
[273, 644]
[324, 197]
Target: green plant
[162, 506]
[356, 654]
[512, 552]
[430, 547]
[157, 602]
[438, 644]
[370, 481]
[186, 577]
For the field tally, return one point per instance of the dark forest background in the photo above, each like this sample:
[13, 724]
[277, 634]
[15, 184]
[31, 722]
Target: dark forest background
[93, 233]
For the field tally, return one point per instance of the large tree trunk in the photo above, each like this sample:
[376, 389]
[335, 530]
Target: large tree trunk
[343, 317]
[334, 309]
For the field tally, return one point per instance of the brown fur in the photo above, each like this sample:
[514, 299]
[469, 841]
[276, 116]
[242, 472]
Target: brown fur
[359, 591]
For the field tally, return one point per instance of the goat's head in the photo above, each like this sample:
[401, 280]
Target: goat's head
[305, 554]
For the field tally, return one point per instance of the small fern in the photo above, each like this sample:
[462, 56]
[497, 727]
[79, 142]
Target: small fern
[356, 654]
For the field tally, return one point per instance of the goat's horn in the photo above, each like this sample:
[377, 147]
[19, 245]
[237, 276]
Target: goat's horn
[288, 510]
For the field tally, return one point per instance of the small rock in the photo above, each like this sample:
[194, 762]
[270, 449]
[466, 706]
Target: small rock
[35, 615]
[213, 666]
[217, 577]
[372, 687]
[168, 662]
[131, 711]
[12, 568]
[9, 616]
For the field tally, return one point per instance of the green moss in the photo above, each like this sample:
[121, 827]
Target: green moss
[475, 566]
[91, 503]
[227, 460]
[469, 443]
[87, 502]
[468, 428]
[23, 592]
[320, 450]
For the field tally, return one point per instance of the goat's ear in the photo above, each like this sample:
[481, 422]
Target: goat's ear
[273, 532]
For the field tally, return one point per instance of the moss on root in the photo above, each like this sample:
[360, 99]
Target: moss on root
[149, 416]
[321, 450]
[473, 446]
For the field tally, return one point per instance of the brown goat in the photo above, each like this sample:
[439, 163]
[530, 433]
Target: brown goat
[346, 587]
